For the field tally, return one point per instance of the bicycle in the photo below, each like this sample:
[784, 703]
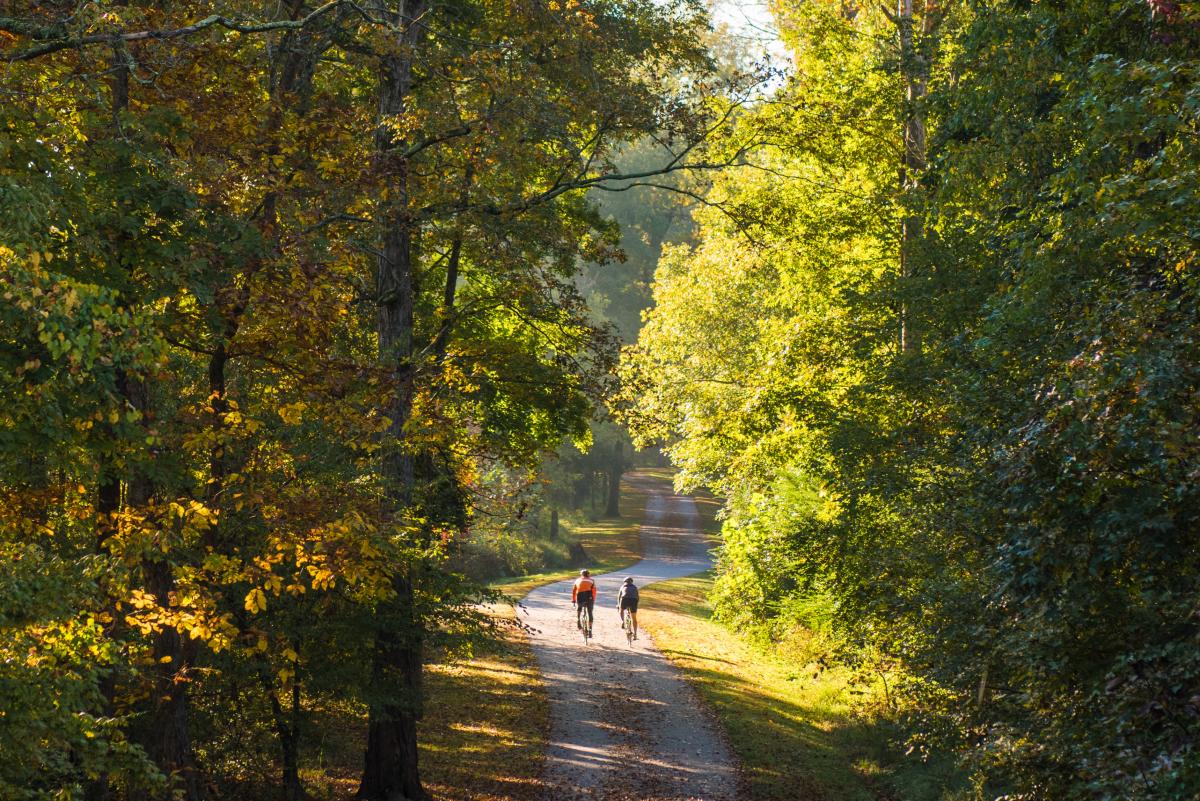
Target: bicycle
[627, 624]
[585, 624]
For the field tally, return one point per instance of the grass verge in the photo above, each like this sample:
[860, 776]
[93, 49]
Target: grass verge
[484, 735]
[796, 729]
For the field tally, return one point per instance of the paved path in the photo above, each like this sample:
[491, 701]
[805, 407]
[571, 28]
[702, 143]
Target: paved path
[625, 726]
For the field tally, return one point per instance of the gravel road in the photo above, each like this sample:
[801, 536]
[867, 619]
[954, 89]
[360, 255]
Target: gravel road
[625, 725]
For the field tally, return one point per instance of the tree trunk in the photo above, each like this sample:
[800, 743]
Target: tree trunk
[108, 503]
[165, 736]
[443, 336]
[162, 729]
[390, 770]
[287, 728]
[913, 164]
[293, 788]
[163, 732]
[554, 524]
[616, 468]
[451, 287]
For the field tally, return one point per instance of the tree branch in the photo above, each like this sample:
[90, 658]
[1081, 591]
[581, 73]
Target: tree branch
[57, 37]
[696, 196]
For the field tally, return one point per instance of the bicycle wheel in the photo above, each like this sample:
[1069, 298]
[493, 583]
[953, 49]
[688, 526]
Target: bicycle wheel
[628, 621]
[584, 625]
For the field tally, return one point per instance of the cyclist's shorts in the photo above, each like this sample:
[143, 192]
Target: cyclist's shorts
[583, 598]
[630, 604]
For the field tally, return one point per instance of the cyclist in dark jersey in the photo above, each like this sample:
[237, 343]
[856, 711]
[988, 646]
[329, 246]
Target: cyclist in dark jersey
[627, 598]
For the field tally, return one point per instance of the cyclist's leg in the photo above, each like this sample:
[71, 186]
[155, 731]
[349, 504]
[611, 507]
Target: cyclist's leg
[591, 607]
[633, 614]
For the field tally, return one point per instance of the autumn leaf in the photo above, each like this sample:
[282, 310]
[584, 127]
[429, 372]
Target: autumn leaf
[256, 601]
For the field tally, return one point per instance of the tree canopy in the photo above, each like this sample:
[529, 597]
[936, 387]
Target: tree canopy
[296, 299]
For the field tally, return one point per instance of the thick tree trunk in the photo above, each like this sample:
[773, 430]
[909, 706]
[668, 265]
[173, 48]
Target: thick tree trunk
[390, 770]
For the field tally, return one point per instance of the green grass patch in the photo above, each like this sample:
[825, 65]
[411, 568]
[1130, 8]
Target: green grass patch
[798, 729]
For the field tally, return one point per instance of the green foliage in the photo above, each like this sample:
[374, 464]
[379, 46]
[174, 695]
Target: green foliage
[1004, 507]
[649, 218]
[54, 657]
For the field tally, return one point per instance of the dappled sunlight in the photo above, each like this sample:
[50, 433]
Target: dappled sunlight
[484, 730]
[482, 736]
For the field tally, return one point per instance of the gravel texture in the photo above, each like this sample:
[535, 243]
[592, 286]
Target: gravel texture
[625, 725]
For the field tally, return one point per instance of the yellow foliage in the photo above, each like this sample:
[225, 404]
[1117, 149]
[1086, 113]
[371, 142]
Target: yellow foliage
[256, 601]
[291, 413]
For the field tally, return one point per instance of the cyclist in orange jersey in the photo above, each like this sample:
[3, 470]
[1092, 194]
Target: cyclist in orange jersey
[583, 595]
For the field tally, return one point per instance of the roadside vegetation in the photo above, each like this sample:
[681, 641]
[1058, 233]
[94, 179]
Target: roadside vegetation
[289, 319]
[482, 735]
[325, 324]
[802, 726]
[608, 543]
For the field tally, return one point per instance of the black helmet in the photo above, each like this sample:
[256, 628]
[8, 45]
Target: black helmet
[629, 580]
[584, 572]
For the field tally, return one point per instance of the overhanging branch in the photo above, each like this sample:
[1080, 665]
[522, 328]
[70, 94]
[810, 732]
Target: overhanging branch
[58, 37]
